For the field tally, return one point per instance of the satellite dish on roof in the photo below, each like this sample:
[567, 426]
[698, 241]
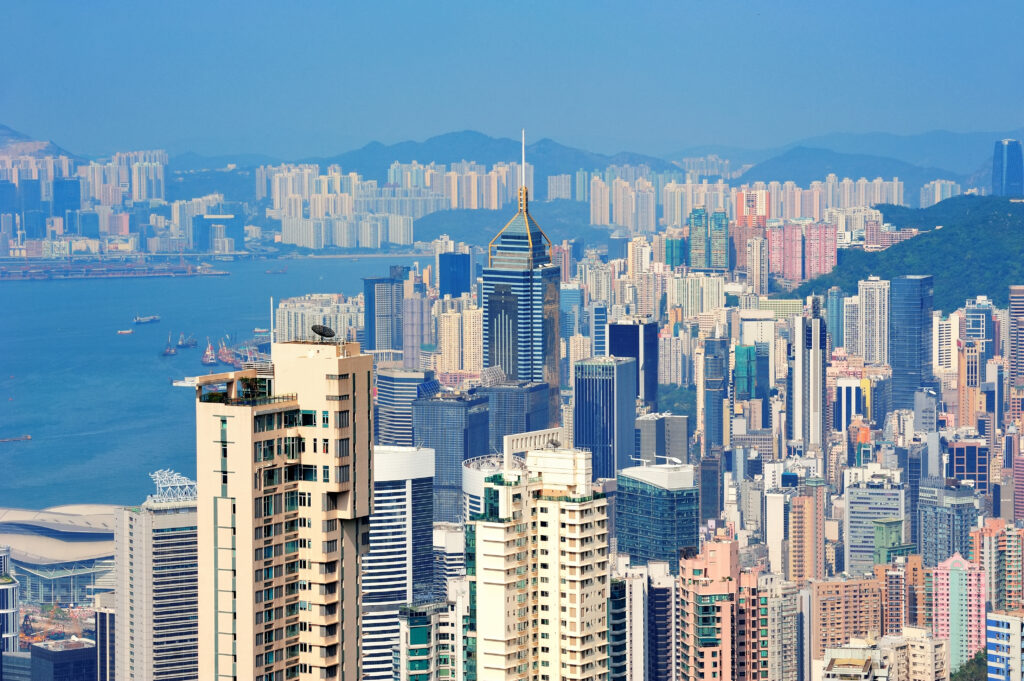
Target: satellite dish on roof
[324, 332]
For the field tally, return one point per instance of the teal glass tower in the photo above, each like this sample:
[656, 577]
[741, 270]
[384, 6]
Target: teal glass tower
[657, 513]
[520, 301]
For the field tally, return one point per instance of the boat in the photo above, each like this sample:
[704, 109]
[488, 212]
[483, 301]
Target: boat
[170, 349]
[125, 332]
[209, 356]
[283, 270]
[146, 320]
[224, 353]
[260, 330]
[20, 438]
[189, 342]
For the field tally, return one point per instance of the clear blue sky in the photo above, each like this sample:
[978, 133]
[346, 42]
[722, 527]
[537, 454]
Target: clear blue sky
[308, 78]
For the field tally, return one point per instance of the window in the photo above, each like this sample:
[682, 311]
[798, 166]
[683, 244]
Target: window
[343, 448]
[341, 473]
[324, 421]
[308, 417]
[341, 419]
[326, 473]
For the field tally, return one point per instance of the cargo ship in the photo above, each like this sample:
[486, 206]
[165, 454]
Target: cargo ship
[170, 349]
[150, 319]
[225, 354]
[209, 356]
[125, 332]
[189, 342]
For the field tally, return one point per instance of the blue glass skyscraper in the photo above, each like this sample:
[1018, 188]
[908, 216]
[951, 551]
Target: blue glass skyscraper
[455, 426]
[657, 513]
[520, 304]
[834, 315]
[397, 389]
[1008, 169]
[604, 412]
[910, 337]
[513, 408]
[453, 274]
[638, 339]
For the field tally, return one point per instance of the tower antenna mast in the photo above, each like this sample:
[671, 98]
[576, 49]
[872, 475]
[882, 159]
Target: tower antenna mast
[522, 168]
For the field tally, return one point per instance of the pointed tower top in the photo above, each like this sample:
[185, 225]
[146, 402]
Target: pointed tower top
[522, 167]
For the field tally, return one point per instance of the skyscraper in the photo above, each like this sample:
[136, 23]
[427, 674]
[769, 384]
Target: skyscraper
[757, 264]
[520, 304]
[834, 315]
[807, 398]
[382, 318]
[638, 339]
[1007, 169]
[959, 609]
[657, 513]
[716, 386]
[397, 568]
[270, 442]
[910, 337]
[455, 426]
[158, 583]
[417, 329]
[514, 564]
[661, 437]
[946, 516]
[604, 412]
[514, 407]
[9, 613]
[397, 389]
[1016, 336]
[807, 533]
[699, 246]
[867, 501]
[453, 274]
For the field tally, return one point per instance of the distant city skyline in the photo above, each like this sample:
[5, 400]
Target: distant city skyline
[305, 81]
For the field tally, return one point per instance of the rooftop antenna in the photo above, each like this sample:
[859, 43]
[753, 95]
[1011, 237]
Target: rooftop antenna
[522, 168]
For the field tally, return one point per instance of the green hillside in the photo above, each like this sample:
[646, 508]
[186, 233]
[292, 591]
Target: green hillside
[978, 251]
[559, 220]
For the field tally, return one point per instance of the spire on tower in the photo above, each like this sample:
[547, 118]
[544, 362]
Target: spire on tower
[522, 167]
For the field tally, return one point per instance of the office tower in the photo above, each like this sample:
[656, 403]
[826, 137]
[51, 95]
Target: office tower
[757, 265]
[1007, 169]
[67, 196]
[663, 437]
[514, 407]
[841, 609]
[71, 659]
[910, 337]
[946, 515]
[106, 644]
[397, 568]
[597, 314]
[959, 608]
[604, 412]
[523, 573]
[711, 480]
[873, 313]
[699, 246]
[807, 533]
[382, 297]
[157, 588]
[570, 312]
[715, 388]
[877, 498]
[397, 389]
[968, 460]
[807, 398]
[926, 411]
[455, 426]
[9, 613]
[969, 380]
[453, 274]
[979, 325]
[638, 339]
[850, 400]
[834, 315]
[718, 241]
[657, 513]
[417, 329]
[449, 556]
[270, 442]
[1016, 336]
[520, 304]
[650, 605]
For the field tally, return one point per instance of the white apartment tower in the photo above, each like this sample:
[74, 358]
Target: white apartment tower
[537, 561]
[284, 492]
[874, 320]
[157, 591]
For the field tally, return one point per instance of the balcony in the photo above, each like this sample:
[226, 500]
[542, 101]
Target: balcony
[253, 401]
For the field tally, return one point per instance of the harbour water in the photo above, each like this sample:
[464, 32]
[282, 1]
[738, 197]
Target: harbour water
[100, 407]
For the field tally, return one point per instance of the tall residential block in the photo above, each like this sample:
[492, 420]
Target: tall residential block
[873, 314]
[284, 492]
[958, 609]
[537, 560]
[157, 592]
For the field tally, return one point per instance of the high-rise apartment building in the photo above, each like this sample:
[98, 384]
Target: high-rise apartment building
[455, 426]
[604, 412]
[638, 338]
[873, 314]
[807, 397]
[157, 592]
[757, 264]
[397, 389]
[657, 513]
[806, 559]
[284, 489]
[10, 624]
[1005, 645]
[877, 498]
[910, 337]
[520, 304]
[382, 316]
[537, 560]
[841, 609]
[1007, 169]
[398, 565]
[1016, 336]
[958, 608]
[946, 515]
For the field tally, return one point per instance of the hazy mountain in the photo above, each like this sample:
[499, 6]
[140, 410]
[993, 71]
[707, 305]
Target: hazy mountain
[190, 161]
[18, 143]
[547, 156]
[976, 251]
[804, 165]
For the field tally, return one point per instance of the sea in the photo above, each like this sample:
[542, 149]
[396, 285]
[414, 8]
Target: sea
[100, 407]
